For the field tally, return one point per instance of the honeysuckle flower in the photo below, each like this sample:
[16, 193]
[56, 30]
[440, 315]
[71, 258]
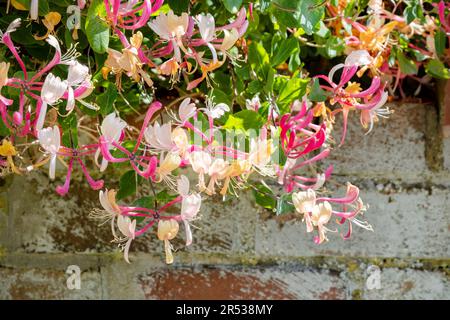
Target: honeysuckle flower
[4, 67]
[207, 28]
[299, 135]
[254, 104]
[112, 129]
[186, 110]
[217, 171]
[200, 162]
[34, 10]
[181, 141]
[167, 230]
[190, 205]
[7, 150]
[111, 209]
[320, 216]
[167, 164]
[128, 228]
[351, 97]
[128, 61]
[50, 140]
[171, 27]
[78, 78]
[51, 19]
[52, 90]
[126, 14]
[229, 39]
[213, 110]
[159, 136]
[144, 165]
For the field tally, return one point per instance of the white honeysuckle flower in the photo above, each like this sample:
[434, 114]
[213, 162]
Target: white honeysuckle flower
[206, 26]
[358, 58]
[230, 38]
[52, 90]
[128, 228]
[304, 201]
[159, 136]
[34, 10]
[111, 128]
[78, 74]
[167, 230]
[215, 111]
[254, 104]
[171, 27]
[186, 110]
[50, 140]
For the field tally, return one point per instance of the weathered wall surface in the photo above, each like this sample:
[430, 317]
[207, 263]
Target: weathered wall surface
[242, 252]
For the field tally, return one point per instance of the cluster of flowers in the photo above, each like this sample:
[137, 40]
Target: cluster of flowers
[190, 139]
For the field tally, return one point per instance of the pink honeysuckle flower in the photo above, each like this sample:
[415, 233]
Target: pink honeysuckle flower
[317, 210]
[144, 165]
[299, 135]
[167, 230]
[128, 228]
[112, 129]
[130, 14]
[171, 28]
[50, 140]
[76, 155]
[351, 97]
[190, 206]
[52, 90]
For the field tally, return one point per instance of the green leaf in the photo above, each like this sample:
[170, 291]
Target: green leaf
[69, 125]
[317, 94]
[293, 89]
[106, 99]
[264, 196]
[127, 184]
[305, 14]
[437, 69]
[244, 120]
[407, 66]
[232, 6]
[259, 59]
[179, 6]
[284, 204]
[413, 11]
[288, 47]
[440, 41]
[97, 32]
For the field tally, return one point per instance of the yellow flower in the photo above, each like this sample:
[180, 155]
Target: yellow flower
[51, 19]
[7, 150]
[167, 230]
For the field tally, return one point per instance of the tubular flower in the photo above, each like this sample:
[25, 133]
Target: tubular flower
[112, 130]
[349, 95]
[167, 230]
[50, 140]
[317, 211]
[190, 206]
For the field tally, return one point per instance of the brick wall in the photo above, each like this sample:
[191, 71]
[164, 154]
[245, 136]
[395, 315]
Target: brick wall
[242, 252]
